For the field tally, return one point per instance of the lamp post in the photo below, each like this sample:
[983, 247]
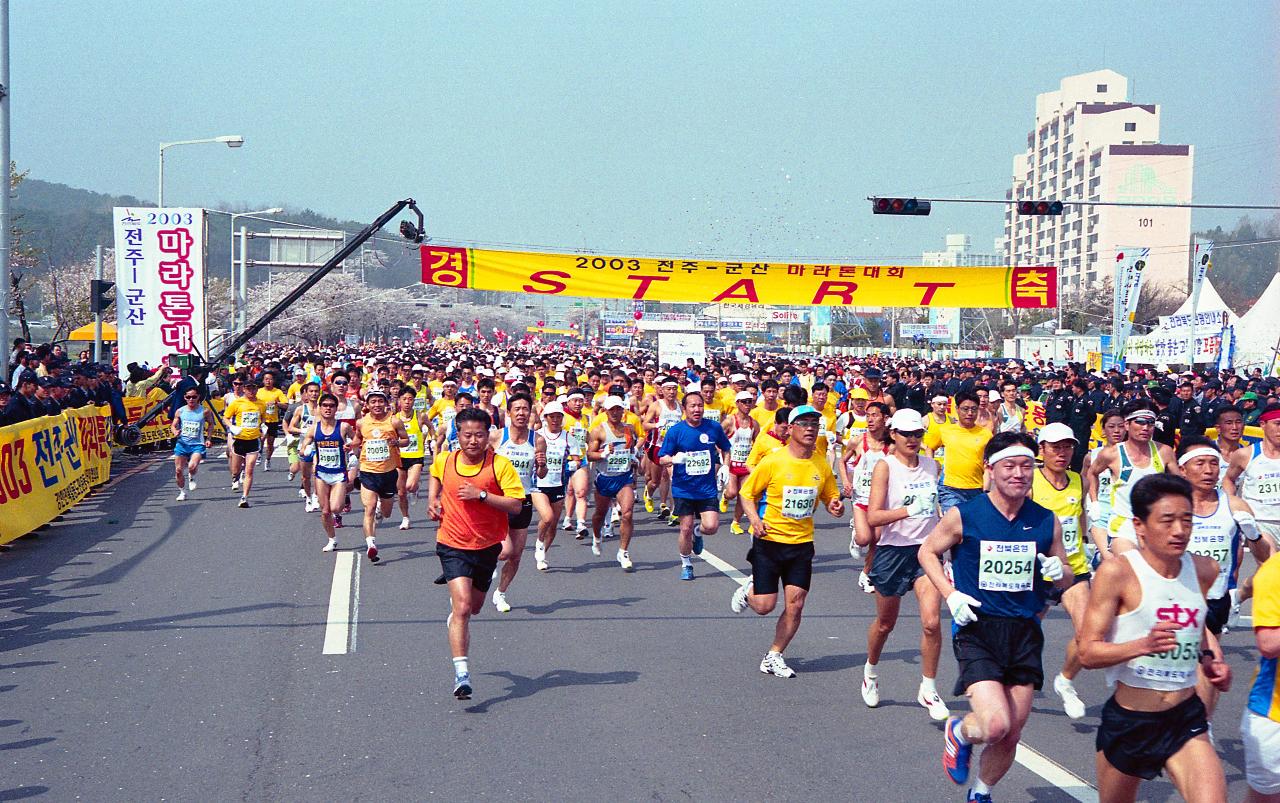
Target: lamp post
[231, 141]
[239, 300]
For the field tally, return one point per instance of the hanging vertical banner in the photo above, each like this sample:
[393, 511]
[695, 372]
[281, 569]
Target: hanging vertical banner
[1131, 264]
[159, 283]
[718, 281]
[1200, 264]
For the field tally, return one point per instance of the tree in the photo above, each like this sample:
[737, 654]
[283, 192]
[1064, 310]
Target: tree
[65, 293]
[1242, 272]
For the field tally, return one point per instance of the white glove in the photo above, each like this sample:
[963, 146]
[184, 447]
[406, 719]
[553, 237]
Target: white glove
[920, 504]
[290, 440]
[234, 429]
[962, 605]
[1248, 525]
[678, 458]
[1050, 566]
[308, 450]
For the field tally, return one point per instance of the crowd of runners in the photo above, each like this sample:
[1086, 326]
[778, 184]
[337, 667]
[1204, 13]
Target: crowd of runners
[1132, 504]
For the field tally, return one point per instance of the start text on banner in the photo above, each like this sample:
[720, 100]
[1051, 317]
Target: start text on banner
[717, 281]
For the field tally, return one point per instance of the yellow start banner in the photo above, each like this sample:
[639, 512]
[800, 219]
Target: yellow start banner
[715, 281]
[48, 464]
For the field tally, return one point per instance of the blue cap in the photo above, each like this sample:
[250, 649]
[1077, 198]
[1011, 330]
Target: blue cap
[801, 411]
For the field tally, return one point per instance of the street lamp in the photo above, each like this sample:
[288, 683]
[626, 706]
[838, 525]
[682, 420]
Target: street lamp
[231, 141]
[240, 301]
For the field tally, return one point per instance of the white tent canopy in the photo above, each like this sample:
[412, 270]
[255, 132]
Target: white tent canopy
[1259, 329]
[1210, 301]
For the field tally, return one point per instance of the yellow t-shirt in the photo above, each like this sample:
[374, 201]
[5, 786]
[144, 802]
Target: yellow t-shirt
[438, 409]
[247, 415]
[273, 402]
[1068, 505]
[764, 445]
[765, 418]
[791, 489]
[962, 463]
[1264, 697]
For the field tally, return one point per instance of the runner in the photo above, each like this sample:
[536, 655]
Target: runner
[473, 492]
[273, 401]
[692, 448]
[324, 440]
[995, 541]
[1097, 488]
[786, 486]
[295, 424]
[664, 412]
[414, 454]
[612, 445]
[741, 430]
[1254, 474]
[244, 424]
[576, 423]
[863, 451]
[1058, 488]
[962, 464]
[190, 429]
[903, 507]
[516, 443]
[1136, 457]
[551, 453]
[1145, 626]
[1260, 725]
[378, 437]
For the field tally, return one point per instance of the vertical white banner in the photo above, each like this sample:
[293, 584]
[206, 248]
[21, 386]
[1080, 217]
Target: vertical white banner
[1130, 264]
[159, 284]
[1200, 263]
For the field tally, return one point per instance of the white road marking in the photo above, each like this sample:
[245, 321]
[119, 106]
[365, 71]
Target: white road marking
[337, 631]
[1070, 783]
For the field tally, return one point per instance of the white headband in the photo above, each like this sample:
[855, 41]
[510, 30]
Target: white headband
[1017, 450]
[1143, 413]
[1199, 451]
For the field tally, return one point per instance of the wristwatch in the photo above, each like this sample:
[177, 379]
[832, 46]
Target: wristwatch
[484, 495]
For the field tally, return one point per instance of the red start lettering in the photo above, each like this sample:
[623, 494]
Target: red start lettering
[841, 290]
[550, 278]
[741, 290]
[645, 281]
[930, 289]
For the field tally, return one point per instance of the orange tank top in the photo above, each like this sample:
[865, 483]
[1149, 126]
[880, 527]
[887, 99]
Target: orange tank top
[379, 452]
[470, 524]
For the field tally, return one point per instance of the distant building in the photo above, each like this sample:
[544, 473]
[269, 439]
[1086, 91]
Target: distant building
[1090, 143]
[958, 254]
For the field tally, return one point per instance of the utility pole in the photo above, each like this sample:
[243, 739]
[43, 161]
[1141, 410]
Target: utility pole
[5, 284]
[97, 315]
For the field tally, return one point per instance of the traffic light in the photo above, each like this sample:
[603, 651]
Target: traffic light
[102, 294]
[899, 206]
[1039, 207]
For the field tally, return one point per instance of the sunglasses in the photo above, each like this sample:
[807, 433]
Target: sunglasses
[236, 384]
[915, 433]
[1144, 422]
[339, 381]
[192, 396]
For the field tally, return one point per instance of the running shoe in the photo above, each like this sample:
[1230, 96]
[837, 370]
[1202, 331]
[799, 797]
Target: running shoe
[856, 552]
[331, 545]
[955, 756]
[540, 555]
[182, 496]
[624, 560]
[346, 507]
[580, 532]
[377, 515]
[978, 797]
[870, 691]
[244, 501]
[310, 506]
[937, 709]
[738, 602]
[1233, 618]
[568, 525]
[773, 664]
[595, 546]
[301, 492]
[191, 483]
[615, 518]
[648, 502]
[372, 552]
[404, 523]
[864, 583]
[606, 532]
[697, 543]
[664, 511]
[337, 521]
[672, 521]
[293, 474]
[266, 464]
[1071, 702]
[686, 572]
[462, 686]
[500, 602]
[724, 505]
[736, 528]
[235, 484]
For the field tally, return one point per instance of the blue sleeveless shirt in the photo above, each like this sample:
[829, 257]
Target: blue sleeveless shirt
[995, 561]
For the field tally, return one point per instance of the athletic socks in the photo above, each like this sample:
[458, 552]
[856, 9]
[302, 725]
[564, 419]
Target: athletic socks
[980, 788]
[928, 685]
[686, 560]
[869, 671]
[460, 667]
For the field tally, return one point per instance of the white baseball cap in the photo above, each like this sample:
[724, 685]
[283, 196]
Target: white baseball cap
[1055, 433]
[906, 420]
[745, 395]
[738, 378]
[552, 408]
[612, 401]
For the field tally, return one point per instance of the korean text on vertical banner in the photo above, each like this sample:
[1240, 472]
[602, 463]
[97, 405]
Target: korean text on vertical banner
[159, 283]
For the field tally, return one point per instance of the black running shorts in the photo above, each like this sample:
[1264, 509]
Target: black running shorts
[478, 564]
[1138, 743]
[895, 569]
[520, 521]
[772, 561]
[1001, 648]
[383, 483]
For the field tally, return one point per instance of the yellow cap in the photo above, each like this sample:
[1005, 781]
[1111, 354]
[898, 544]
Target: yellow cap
[860, 393]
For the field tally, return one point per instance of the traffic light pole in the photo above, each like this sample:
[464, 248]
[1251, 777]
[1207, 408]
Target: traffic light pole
[97, 316]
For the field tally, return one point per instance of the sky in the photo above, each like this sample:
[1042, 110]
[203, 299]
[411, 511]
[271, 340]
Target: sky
[726, 129]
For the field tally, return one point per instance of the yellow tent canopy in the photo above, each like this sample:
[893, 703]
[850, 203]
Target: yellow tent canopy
[86, 332]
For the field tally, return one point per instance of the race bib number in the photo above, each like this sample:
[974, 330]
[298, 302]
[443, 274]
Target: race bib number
[618, 461]
[555, 469]
[190, 430]
[577, 440]
[697, 464]
[250, 419]
[271, 410]
[329, 456]
[1266, 489]
[711, 415]
[1070, 534]
[1218, 547]
[447, 415]
[415, 442]
[523, 464]
[1006, 565]
[1175, 665]
[798, 501]
[377, 449]
[419, 404]
[739, 452]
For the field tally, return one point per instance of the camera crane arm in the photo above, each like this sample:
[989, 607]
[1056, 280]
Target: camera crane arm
[132, 433]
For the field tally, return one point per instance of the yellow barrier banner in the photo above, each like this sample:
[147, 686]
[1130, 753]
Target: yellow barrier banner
[716, 281]
[159, 429]
[50, 463]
